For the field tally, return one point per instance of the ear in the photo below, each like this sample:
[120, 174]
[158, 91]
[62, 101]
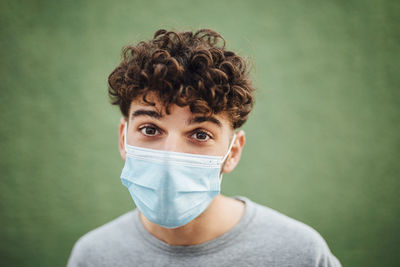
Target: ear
[236, 152]
[121, 138]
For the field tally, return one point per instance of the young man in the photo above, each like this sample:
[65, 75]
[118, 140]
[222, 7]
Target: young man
[182, 96]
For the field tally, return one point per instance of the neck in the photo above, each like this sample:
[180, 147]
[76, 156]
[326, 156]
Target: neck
[221, 216]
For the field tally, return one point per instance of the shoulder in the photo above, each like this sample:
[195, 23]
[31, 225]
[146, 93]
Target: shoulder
[291, 237]
[97, 243]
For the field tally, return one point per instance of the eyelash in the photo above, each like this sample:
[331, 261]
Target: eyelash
[149, 126]
[199, 130]
[195, 131]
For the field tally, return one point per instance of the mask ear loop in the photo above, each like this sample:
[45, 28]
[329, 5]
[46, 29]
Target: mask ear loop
[230, 147]
[125, 132]
[226, 155]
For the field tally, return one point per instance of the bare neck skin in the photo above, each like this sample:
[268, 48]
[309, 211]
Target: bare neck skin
[220, 217]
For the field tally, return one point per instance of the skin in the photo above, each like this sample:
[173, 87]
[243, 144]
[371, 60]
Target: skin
[184, 131]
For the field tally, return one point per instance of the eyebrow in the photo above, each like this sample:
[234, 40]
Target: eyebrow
[156, 115]
[204, 119]
[144, 112]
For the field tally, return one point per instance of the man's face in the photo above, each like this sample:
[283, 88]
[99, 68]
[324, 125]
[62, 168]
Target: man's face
[181, 131]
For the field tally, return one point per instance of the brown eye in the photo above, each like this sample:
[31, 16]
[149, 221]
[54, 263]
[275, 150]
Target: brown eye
[201, 136]
[149, 131]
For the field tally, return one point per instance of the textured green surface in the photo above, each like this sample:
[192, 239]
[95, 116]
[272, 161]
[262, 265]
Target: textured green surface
[323, 143]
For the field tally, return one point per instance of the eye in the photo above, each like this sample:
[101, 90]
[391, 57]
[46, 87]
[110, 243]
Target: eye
[149, 130]
[201, 136]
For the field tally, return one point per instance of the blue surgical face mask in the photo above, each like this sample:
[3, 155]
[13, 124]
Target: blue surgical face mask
[171, 188]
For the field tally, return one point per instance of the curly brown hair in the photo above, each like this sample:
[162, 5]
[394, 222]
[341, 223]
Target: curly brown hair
[186, 69]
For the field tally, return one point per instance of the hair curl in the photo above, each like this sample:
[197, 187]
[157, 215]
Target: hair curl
[186, 69]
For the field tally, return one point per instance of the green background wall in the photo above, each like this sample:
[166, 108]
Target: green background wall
[323, 142]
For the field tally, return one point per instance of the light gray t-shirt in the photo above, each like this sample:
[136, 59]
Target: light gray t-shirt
[263, 237]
